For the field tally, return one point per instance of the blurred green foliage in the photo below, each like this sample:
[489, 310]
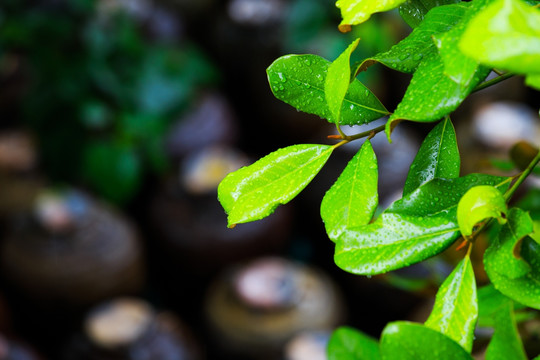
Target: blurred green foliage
[99, 93]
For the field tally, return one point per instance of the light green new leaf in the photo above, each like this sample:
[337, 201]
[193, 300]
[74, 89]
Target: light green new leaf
[455, 311]
[353, 198]
[438, 157]
[403, 340]
[355, 12]
[414, 228]
[506, 35]
[459, 68]
[347, 343]
[414, 11]
[506, 342]
[533, 80]
[480, 203]
[512, 260]
[431, 94]
[298, 80]
[406, 55]
[253, 192]
[337, 81]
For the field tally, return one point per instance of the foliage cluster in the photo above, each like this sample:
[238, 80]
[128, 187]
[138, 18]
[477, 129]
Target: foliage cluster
[454, 49]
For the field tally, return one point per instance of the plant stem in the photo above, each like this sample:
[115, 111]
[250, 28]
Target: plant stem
[508, 194]
[349, 138]
[493, 81]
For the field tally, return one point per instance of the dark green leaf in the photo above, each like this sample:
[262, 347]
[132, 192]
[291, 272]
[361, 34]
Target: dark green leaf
[349, 344]
[512, 260]
[337, 81]
[298, 80]
[414, 11]
[411, 51]
[409, 341]
[355, 12]
[438, 157]
[455, 311]
[490, 301]
[420, 225]
[353, 198]
[253, 192]
[480, 203]
[505, 35]
[505, 343]
[113, 170]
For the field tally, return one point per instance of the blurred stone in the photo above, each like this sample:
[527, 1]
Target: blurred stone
[130, 328]
[251, 312]
[256, 12]
[308, 345]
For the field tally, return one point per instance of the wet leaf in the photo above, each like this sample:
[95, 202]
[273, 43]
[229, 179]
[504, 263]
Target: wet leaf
[505, 35]
[414, 228]
[457, 67]
[353, 198]
[298, 80]
[455, 311]
[512, 260]
[406, 55]
[337, 81]
[403, 340]
[431, 94]
[355, 12]
[506, 342]
[253, 192]
[438, 157]
[414, 11]
[347, 343]
[480, 203]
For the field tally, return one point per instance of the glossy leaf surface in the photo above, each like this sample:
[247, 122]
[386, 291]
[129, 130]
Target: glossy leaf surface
[505, 35]
[409, 341]
[337, 81]
[455, 311]
[349, 344]
[253, 192]
[414, 228]
[355, 12]
[406, 55]
[438, 157]
[480, 203]
[512, 260]
[505, 343]
[431, 94]
[353, 198]
[459, 68]
[414, 11]
[298, 80]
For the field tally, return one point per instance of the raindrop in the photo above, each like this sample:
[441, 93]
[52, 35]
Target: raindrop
[417, 57]
[404, 56]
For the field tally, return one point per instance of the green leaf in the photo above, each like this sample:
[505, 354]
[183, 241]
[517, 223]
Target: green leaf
[512, 260]
[480, 203]
[337, 81]
[355, 12]
[114, 170]
[414, 11]
[403, 340]
[455, 311]
[353, 198]
[533, 80]
[414, 228]
[505, 35]
[349, 344]
[253, 192]
[459, 68]
[298, 80]
[489, 302]
[438, 157]
[406, 55]
[506, 342]
[431, 94]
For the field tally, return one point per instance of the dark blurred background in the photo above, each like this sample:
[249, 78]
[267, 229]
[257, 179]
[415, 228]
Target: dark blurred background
[118, 120]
